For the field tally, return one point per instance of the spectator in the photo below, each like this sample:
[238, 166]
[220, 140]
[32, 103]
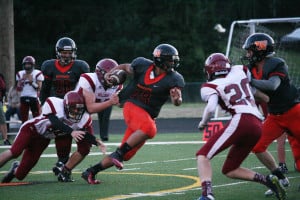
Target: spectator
[3, 127]
[13, 104]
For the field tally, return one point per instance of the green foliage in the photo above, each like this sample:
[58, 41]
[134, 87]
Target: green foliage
[124, 30]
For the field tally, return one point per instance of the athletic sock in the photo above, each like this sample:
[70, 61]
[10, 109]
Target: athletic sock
[206, 188]
[96, 168]
[124, 149]
[260, 178]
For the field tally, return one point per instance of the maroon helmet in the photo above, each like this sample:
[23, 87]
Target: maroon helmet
[74, 105]
[103, 66]
[28, 63]
[217, 64]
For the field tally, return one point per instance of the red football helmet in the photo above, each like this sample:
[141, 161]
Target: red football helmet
[103, 66]
[74, 105]
[217, 64]
[28, 63]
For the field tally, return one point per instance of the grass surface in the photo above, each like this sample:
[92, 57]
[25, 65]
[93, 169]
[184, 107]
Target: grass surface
[160, 170]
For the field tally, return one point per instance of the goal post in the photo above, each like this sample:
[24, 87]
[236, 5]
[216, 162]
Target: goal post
[277, 28]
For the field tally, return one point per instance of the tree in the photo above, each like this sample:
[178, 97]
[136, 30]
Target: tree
[7, 55]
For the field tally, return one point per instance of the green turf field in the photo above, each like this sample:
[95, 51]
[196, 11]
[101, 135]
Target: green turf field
[165, 168]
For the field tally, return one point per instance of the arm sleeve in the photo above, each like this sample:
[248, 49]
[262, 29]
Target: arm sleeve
[271, 84]
[90, 138]
[210, 108]
[59, 125]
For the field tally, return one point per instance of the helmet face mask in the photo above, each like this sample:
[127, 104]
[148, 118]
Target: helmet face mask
[102, 67]
[74, 106]
[258, 46]
[216, 65]
[28, 63]
[65, 50]
[166, 57]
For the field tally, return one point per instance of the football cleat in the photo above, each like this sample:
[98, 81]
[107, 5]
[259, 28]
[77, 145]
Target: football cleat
[284, 182]
[283, 168]
[58, 168]
[11, 173]
[6, 142]
[117, 160]
[90, 177]
[208, 197]
[65, 176]
[277, 188]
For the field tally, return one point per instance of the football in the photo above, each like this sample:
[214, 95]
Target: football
[118, 77]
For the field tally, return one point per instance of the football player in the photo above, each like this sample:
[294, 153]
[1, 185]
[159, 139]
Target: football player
[61, 76]
[96, 83]
[270, 75]
[59, 117]
[29, 84]
[153, 83]
[229, 87]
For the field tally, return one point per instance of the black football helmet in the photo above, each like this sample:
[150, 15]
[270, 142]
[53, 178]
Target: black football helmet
[28, 63]
[166, 57]
[65, 44]
[217, 64]
[74, 105]
[261, 44]
[102, 67]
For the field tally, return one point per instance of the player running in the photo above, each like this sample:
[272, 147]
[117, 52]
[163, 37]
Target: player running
[152, 84]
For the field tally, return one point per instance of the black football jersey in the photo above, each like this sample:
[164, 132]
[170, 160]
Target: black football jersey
[286, 95]
[148, 91]
[61, 79]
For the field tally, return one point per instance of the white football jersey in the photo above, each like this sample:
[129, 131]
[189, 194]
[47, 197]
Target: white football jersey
[90, 82]
[234, 91]
[55, 105]
[28, 90]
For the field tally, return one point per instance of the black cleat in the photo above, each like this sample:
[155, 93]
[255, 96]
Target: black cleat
[58, 168]
[11, 173]
[6, 142]
[90, 177]
[283, 168]
[65, 176]
[274, 184]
